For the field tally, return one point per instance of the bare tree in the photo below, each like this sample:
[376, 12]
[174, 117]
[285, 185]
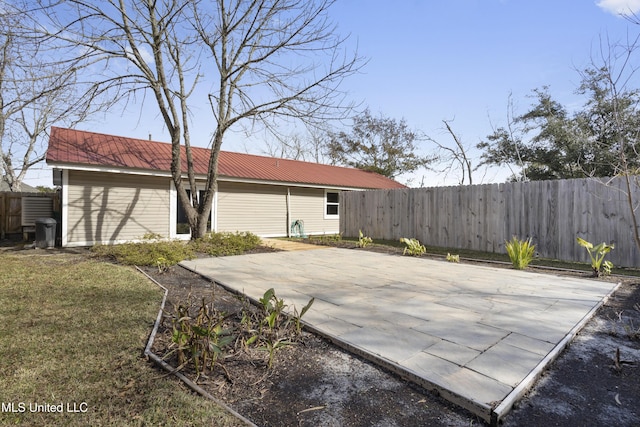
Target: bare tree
[293, 146]
[612, 76]
[264, 60]
[310, 146]
[36, 91]
[456, 155]
[505, 145]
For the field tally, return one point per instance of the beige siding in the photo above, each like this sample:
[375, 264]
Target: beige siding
[108, 207]
[261, 209]
[308, 205]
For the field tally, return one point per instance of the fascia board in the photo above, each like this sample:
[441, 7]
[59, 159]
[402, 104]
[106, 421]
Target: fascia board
[221, 178]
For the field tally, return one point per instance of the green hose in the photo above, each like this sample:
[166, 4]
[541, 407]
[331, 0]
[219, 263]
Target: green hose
[297, 229]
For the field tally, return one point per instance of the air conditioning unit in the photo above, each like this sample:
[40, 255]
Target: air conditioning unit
[34, 208]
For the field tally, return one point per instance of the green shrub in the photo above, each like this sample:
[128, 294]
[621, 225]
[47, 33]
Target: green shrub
[225, 243]
[413, 248]
[152, 236]
[520, 252]
[597, 254]
[167, 252]
[153, 251]
[453, 258]
[363, 241]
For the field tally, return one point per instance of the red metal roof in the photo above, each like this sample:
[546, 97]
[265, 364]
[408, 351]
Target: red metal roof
[76, 147]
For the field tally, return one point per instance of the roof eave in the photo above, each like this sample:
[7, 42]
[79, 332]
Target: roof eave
[222, 178]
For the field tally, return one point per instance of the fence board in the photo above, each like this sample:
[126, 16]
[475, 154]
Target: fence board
[11, 210]
[482, 217]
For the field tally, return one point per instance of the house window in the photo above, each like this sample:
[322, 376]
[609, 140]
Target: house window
[332, 199]
[182, 224]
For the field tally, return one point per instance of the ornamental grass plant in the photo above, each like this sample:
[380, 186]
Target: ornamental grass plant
[520, 252]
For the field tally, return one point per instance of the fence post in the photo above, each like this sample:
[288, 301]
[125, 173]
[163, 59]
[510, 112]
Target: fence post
[482, 217]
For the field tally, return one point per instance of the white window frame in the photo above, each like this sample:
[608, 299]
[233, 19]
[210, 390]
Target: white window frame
[327, 203]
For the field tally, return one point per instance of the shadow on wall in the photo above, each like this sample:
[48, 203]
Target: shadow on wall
[99, 221]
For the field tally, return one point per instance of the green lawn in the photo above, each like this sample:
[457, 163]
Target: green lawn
[72, 333]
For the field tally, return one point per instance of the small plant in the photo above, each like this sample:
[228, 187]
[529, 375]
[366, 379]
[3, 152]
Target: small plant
[163, 264]
[271, 329]
[298, 316]
[334, 237]
[273, 308]
[597, 254]
[414, 248]
[520, 252]
[363, 241]
[453, 258]
[200, 337]
[271, 346]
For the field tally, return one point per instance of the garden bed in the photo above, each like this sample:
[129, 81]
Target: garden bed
[315, 383]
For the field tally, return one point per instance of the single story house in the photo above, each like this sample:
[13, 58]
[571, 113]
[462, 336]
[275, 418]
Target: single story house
[116, 189]
[24, 188]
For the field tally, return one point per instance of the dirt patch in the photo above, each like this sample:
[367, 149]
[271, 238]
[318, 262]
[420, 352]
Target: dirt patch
[316, 383]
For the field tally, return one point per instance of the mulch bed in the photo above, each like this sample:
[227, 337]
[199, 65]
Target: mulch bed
[313, 382]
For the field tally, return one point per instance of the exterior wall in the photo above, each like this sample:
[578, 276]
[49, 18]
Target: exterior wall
[308, 204]
[262, 209]
[110, 208]
[101, 207]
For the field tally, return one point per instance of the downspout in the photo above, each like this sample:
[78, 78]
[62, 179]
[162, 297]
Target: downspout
[288, 212]
[64, 208]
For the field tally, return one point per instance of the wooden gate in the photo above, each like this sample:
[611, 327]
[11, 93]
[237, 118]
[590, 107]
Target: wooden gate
[11, 211]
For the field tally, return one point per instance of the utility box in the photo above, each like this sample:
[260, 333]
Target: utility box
[45, 233]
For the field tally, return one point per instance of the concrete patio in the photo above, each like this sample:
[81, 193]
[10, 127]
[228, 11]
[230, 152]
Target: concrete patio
[478, 335]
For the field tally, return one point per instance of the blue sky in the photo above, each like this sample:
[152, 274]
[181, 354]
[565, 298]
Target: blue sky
[431, 60]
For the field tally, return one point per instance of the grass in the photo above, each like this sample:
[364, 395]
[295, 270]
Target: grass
[73, 331]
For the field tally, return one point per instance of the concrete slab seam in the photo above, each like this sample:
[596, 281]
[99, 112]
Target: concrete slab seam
[519, 391]
[483, 411]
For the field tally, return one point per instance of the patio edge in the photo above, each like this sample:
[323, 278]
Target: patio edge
[525, 385]
[482, 411]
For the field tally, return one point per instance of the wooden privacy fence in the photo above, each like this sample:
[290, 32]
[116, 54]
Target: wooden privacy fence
[11, 210]
[482, 217]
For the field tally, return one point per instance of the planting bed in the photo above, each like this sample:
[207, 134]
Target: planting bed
[596, 381]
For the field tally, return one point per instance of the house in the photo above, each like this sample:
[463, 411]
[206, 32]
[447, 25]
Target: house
[24, 188]
[116, 189]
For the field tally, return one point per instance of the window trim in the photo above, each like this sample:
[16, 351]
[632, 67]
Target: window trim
[327, 204]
